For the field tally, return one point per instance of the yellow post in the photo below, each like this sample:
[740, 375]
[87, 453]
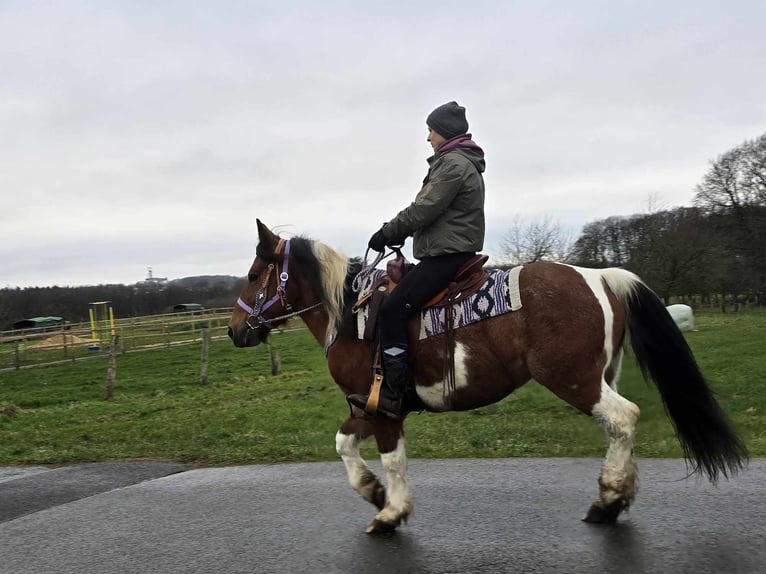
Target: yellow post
[92, 322]
[111, 316]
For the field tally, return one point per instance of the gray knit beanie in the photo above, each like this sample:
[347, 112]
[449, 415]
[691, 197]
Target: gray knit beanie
[448, 120]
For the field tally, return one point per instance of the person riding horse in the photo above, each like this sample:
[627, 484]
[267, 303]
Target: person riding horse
[446, 221]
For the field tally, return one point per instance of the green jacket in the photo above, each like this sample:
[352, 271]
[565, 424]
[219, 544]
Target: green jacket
[447, 215]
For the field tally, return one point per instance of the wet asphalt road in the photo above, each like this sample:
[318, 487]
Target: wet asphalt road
[503, 515]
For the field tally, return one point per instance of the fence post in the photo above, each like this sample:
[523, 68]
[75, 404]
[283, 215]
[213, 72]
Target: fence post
[111, 368]
[63, 339]
[167, 335]
[203, 359]
[276, 360]
[16, 355]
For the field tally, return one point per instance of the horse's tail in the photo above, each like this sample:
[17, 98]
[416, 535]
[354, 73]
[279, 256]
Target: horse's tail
[707, 437]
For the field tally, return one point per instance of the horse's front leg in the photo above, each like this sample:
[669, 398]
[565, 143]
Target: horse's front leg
[360, 477]
[390, 438]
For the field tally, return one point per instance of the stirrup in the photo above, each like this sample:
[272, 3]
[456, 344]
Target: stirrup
[391, 409]
[373, 399]
[371, 403]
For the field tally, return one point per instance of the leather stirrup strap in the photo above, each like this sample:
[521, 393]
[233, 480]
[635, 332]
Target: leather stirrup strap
[449, 321]
[377, 381]
[374, 397]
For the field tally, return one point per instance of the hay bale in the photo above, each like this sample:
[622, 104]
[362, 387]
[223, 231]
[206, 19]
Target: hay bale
[682, 316]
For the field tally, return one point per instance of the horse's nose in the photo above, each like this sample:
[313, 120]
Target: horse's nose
[230, 333]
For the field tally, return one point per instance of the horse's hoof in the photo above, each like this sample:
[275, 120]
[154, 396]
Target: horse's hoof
[380, 527]
[600, 513]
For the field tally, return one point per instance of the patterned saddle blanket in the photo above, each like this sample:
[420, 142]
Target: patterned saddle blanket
[498, 295]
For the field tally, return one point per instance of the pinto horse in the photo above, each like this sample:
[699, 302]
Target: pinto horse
[569, 336]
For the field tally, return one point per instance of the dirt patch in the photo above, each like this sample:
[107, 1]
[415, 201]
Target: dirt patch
[61, 340]
[7, 410]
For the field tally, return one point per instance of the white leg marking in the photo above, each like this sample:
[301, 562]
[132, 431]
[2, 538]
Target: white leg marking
[619, 417]
[434, 396]
[399, 500]
[360, 477]
[616, 368]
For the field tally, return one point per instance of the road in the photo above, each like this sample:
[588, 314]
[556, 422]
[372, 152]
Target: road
[497, 515]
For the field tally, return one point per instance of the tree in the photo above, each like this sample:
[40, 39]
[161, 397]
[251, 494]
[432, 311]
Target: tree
[673, 251]
[541, 239]
[734, 192]
[603, 243]
[736, 179]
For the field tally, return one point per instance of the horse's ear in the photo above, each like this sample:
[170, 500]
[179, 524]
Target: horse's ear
[265, 237]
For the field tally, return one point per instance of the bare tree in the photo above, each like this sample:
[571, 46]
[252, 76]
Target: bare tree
[654, 204]
[734, 192]
[540, 239]
[672, 250]
[602, 243]
[736, 179]
[675, 251]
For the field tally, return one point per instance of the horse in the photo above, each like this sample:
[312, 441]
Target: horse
[569, 335]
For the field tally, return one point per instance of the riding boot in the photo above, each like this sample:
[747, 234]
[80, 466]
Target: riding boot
[397, 377]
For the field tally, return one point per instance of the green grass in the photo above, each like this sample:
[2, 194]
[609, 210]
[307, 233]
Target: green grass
[244, 415]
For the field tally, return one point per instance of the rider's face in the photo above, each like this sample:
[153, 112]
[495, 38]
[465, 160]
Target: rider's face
[435, 139]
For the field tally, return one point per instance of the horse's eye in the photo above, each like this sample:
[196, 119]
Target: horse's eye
[252, 277]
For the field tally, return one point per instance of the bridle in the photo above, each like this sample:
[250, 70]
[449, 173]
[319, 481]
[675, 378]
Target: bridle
[261, 305]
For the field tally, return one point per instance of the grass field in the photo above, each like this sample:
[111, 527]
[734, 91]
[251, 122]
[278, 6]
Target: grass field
[244, 415]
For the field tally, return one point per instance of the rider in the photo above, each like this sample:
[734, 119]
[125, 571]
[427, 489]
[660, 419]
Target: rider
[446, 221]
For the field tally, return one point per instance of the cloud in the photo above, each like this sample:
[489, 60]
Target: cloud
[136, 135]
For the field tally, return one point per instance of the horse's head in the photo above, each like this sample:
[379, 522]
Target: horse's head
[272, 290]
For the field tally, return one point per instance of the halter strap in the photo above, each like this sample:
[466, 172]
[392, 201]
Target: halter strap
[245, 306]
[282, 277]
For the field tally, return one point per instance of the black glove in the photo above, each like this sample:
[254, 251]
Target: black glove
[378, 241]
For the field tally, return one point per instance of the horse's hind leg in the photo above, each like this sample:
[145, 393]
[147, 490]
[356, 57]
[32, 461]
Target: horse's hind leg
[361, 478]
[617, 483]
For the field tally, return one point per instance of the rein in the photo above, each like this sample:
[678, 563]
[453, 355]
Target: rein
[367, 270]
[260, 305]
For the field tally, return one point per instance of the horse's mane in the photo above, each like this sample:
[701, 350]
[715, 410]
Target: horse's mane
[347, 325]
[330, 282]
[326, 272]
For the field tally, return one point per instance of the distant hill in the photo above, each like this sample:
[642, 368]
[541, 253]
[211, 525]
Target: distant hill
[142, 298]
[206, 281]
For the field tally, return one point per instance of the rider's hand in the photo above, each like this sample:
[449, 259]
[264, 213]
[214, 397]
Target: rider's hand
[378, 241]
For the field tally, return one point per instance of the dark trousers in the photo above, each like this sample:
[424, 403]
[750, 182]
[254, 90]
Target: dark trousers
[418, 287]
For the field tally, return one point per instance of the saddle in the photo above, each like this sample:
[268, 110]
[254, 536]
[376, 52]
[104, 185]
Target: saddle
[468, 279]
[466, 282]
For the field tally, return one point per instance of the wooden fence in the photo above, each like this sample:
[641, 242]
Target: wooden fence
[23, 348]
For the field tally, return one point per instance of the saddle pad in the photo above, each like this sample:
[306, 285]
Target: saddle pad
[498, 295]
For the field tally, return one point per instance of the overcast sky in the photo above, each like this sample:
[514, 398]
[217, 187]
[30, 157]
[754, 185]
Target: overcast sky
[142, 134]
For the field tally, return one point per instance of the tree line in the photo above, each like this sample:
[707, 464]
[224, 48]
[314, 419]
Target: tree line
[71, 303]
[714, 250]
